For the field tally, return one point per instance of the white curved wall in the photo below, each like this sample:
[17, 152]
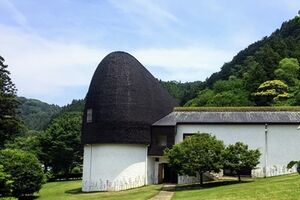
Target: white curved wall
[114, 167]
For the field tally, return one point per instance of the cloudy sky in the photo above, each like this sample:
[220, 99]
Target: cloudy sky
[53, 47]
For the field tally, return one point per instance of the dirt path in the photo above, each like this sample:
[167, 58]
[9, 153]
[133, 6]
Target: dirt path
[166, 193]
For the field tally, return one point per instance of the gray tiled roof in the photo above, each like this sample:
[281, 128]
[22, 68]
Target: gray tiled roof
[251, 117]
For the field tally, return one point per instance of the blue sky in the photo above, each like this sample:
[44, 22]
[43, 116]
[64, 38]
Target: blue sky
[53, 47]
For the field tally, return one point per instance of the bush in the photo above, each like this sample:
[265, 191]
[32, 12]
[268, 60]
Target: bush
[25, 170]
[76, 170]
[292, 164]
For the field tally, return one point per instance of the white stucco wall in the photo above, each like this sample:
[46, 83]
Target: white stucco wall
[151, 170]
[283, 142]
[114, 167]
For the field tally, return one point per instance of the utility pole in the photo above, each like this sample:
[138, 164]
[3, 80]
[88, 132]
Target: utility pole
[266, 150]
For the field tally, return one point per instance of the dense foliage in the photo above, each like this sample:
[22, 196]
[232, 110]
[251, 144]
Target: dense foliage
[5, 182]
[202, 153]
[183, 92]
[35, 113]
[25, 171]
[61, 149]
[273, 58]
[199, 153]
[238, 157]
[10, 125]
[29, 142]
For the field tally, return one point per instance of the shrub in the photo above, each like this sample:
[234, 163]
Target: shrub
[292, 164]
[25, 170]
[76, 170]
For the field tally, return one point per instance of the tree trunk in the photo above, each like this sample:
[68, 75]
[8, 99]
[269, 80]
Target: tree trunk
[201, 178]
[239, 175]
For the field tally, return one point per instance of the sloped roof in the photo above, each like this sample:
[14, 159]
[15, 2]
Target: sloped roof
[125, 100]
[230, 117]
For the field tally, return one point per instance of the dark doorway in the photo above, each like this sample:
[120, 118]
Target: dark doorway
[166, 174]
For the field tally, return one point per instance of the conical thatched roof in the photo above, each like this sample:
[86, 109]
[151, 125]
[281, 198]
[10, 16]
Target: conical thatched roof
[125, 100]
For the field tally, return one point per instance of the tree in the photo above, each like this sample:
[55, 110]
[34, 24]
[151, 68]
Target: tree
[238, 157]
[25, 170]
[10, 125]
[5, 182]
[60, 144]
[255, 74]
[270, 91]
[29, 142]
[288, 70]
[199, 153]
[202, 99]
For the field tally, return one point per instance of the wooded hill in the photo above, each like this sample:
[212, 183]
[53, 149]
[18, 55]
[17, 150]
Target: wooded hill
[37, 114]
[237, 84]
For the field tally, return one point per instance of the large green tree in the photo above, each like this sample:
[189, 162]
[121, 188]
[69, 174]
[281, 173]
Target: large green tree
[199, 153]
[238, 157]
[270, 92]
[10, 125]
[288, 70]
[25, 171]
[60, 144]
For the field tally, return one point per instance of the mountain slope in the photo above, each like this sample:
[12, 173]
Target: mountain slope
[273, 58]
[35, 113]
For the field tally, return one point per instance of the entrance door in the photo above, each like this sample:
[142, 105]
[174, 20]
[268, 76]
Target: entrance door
[166, 174]
[160, 173]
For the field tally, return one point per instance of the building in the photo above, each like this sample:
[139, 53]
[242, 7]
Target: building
[129, 119]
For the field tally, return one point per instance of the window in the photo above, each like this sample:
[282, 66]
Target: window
[89, 115]
[161, 140]
[185, 135]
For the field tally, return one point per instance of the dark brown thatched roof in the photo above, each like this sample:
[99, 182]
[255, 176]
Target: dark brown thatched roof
[230, 117]
[125, 100]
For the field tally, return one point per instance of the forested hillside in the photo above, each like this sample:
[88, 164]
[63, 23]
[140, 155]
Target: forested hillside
[265, 73]
[35, 113]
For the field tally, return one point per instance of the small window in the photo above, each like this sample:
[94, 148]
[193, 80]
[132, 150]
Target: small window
[89, 115]
[185, 135]
[161, 140]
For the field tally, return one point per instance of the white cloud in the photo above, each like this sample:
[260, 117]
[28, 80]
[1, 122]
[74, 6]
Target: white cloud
[43, 67]
[187, 63]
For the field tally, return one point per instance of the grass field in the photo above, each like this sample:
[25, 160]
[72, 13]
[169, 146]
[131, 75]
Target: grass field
[274, 188]
[71, 190]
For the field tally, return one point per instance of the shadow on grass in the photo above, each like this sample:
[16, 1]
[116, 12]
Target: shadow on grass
[30, 197]
[209, 185]
[79, 191]
[74, 191]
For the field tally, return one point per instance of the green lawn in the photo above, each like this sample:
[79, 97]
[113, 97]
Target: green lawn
[71, 190]
[274, 188]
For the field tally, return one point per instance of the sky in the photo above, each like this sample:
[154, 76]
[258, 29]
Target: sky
[53, 47]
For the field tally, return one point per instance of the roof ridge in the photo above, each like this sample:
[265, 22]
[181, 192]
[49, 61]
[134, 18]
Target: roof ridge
[238, 109]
